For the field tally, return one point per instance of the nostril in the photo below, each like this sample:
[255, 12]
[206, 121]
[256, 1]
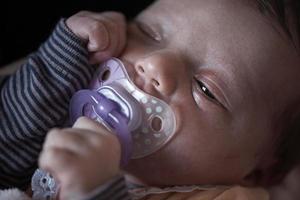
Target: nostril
[105, 75]
[141, 69]
[155, 82]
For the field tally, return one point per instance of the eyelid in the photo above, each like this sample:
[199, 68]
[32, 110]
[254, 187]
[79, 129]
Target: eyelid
[201, 84]
[198, 88]
[213, 89]
[149, 31]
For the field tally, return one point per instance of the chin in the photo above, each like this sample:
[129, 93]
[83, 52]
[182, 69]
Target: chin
[159, 174]
[151, 173]
[145, 174]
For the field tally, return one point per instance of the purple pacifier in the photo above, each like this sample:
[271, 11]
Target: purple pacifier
[96, 106]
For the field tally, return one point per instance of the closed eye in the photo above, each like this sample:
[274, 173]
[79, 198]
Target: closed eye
[148, 31]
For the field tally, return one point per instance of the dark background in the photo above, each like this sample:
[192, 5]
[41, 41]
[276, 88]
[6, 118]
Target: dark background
[24, 25]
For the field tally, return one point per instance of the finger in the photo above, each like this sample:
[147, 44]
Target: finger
[89, 29]
[56, 161]
[91, 125]
[116, 26]
[112, 15]
[96, 133]
[98, 57]
[94, 31]
[69, 139]
[98, 36]
[108, 21]
[120, 23]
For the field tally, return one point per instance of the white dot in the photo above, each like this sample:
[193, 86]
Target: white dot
[147, 141]
[148, 110]
[157, 135]
[144, 100]
[158, 109]
[153, 101]
[145, 130]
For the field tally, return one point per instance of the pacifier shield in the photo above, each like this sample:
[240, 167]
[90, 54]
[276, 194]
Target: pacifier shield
[152, 122]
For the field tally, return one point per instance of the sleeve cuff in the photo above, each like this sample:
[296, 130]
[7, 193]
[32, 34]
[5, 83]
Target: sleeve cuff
[69, 38]
[115, 189]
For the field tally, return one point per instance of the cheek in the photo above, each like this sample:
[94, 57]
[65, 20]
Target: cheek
[201, 152]
[130, 53]
[203, 133]
[134, 50]
[195, 132]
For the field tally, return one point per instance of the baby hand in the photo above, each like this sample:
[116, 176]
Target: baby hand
[105, 33]
[81, 158]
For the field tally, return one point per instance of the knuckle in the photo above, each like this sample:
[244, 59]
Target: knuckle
[54, 132]
[96, 25]
[83, 13]
[97, 139]
[100, 138]
[60, 155]
[77, 139]
[114, 15]
[51, 154]
[115, 18]
[82, 120]
[111, 139]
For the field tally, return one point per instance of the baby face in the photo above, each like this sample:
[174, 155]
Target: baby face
[218, 64]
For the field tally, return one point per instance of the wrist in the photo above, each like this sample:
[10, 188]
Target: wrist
[85, 192]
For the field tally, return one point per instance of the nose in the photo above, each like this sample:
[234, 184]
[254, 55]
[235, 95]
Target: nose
[161, 72]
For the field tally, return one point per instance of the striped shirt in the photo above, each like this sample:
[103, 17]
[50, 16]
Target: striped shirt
[35, 99]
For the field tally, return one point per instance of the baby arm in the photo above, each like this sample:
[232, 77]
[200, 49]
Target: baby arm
[36, 97]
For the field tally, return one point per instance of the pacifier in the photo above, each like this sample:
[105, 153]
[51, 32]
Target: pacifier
[151, 122]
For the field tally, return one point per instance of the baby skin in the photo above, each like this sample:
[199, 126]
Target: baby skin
[219, 66]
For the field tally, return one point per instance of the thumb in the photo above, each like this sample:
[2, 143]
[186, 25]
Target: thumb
[91, 125]
[98, 39]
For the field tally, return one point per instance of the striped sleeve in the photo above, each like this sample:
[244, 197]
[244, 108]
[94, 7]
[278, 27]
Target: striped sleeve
[35, 99]
[115, 189]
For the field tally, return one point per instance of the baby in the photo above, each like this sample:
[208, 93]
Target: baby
[228, 71]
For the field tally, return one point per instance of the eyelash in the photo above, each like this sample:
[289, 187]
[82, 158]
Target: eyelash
[205, 90]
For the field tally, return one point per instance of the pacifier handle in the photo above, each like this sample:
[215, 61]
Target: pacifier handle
[109, 111]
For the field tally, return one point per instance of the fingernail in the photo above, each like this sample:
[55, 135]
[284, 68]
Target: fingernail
[99, 44]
